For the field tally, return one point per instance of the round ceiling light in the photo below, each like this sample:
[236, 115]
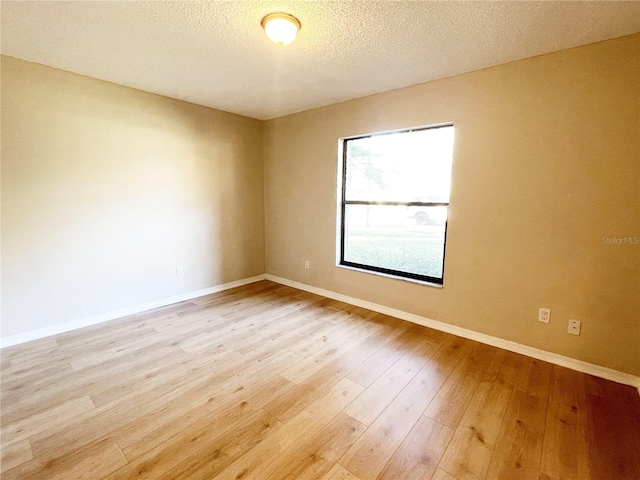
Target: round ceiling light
[281, 28]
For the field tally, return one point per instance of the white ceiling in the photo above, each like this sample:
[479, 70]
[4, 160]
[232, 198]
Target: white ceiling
[215, 53]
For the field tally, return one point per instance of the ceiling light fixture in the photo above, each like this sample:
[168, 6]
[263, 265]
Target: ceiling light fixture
[281, 28]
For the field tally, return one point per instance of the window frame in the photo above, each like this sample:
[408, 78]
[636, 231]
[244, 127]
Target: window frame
[397, 274]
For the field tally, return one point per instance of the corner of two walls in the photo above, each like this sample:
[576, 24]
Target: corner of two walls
[106, 190]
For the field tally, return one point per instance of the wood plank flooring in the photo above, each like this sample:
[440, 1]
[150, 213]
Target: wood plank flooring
[268, 382]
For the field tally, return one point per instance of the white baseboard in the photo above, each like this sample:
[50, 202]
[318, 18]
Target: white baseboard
[572, 363]
[105, 317]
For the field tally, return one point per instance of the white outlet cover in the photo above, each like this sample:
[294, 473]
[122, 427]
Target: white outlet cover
[574, 327]
[544, 315]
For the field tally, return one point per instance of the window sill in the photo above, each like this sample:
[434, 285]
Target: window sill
[393, 277]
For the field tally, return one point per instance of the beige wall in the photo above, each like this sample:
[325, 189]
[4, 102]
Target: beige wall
[106, 190]
[546, 163]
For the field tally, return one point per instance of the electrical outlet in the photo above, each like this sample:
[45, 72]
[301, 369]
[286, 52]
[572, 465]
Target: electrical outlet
[574, 327]
[306, 264]
[179, 272]
[544, 315]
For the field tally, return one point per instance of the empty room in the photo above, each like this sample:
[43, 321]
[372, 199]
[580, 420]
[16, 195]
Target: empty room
[333, 240]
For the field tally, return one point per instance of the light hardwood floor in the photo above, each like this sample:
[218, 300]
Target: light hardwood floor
[269, 382]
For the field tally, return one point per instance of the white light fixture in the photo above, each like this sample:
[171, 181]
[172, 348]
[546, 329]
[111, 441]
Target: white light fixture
[281, 28]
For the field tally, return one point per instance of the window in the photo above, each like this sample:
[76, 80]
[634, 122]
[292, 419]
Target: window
[394, 202]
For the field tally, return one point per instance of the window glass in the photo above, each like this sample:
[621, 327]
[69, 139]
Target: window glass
[395, 202]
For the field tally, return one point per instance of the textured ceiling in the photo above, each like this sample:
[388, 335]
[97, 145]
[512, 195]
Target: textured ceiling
[215, 53]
